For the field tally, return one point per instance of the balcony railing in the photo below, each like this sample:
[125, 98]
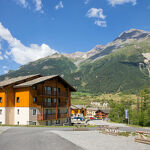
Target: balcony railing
[62, 115]
[50, 117]
[48, 104]
[54, 93]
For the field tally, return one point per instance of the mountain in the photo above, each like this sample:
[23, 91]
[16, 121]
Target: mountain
[122, 65]
[55, 64]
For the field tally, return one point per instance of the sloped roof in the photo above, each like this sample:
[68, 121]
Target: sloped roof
[77, 106]
[15, 80]
[74, 107]
[92, 109]
[42, 79]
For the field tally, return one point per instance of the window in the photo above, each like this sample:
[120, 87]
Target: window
[0, 99]
[18, 100]
[34, 123]
[0, 111]
[65, 110]
[18, 111]
[34, 87]
[57, 121]
[55, 100]
[34, 112]
[18, 122]
[48, 90]
[54, 91]
[58, 90]
[48, 123]
[48, 111]
[53, 111]
[34, 99]
[48, 101]
[58, 102]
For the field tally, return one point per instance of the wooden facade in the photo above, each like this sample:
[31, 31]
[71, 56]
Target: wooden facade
[53, 104]
[102, 114]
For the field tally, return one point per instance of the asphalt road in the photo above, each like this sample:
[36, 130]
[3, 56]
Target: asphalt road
[34, 139]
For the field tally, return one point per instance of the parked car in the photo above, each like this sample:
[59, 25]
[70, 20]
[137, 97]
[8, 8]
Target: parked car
[78, 120]
[93, 118]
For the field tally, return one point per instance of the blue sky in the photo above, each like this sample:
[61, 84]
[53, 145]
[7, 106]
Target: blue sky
[32, 29]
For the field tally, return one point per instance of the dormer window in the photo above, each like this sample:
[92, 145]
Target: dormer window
[0, 99]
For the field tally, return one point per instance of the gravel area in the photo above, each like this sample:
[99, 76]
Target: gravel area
[122, 127]
[101, 122]
[93, 140]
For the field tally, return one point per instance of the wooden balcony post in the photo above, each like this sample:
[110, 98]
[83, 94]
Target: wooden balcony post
[56, 98]
[68, 103]
[42, 104]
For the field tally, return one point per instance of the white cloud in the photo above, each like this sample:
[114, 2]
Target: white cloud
[5, 71]
[101, 23]
[119, 2]
[5, 67]
[5, 56]
[23, 3]
[38, 5]
[86, 1]
[96, 13]
[21, 53]
[1, 58]
[8, 53]
[60, 5]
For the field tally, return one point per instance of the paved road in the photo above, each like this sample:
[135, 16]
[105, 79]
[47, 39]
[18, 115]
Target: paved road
[34, 139]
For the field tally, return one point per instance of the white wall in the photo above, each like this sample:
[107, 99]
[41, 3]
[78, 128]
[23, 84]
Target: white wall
[2, 116]
[23, 116]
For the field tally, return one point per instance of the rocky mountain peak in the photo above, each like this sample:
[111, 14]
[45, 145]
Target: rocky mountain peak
[133, 34]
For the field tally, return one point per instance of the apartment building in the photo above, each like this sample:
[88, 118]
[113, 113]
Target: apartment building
[35, 100]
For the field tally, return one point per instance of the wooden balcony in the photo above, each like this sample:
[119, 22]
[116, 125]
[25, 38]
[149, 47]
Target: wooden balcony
[50, 105]
[50, 117]
[58, 94]
[62, 115]
[45, 117]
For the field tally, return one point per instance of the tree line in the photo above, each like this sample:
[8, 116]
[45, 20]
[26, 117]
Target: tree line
[139, 110]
